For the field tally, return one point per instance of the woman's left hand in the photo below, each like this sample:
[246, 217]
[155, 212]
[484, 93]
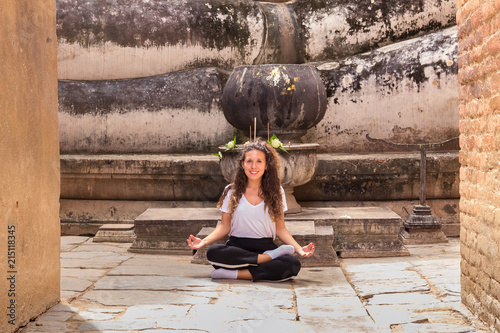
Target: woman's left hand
[306, 251]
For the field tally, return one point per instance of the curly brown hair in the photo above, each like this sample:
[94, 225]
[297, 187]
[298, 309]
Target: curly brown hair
[270, 188]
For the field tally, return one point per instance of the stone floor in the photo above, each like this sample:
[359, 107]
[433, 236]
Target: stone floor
[104, 288]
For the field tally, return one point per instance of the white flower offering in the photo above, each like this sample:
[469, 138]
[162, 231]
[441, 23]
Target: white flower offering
[275, 143]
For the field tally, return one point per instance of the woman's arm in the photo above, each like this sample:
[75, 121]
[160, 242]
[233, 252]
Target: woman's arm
[286, 237]
[221, 230]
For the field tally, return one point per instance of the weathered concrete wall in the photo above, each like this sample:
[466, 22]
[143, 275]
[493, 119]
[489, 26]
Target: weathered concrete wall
[479, 76]
[103, 39]
[406, 92]
[177, 112]
[29, 162]
[335, 29]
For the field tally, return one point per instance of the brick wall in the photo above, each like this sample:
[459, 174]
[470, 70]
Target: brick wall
[479, 78]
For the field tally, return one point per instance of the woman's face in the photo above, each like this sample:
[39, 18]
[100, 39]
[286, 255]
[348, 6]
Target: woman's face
[254, 164]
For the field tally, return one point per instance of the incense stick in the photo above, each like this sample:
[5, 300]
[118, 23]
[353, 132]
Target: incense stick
[254, 129]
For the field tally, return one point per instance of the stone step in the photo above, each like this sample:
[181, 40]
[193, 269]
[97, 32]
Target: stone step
[165, 230]
[304, 233]
[358, 231]
[115, 233]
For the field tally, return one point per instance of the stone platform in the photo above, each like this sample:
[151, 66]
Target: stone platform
[358, 231]
[304, 233]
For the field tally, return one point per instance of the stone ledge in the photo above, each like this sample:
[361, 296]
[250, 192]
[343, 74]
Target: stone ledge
[354, 177]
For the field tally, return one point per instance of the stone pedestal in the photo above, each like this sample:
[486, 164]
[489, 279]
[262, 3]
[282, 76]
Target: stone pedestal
[304, 233]
[422, 227]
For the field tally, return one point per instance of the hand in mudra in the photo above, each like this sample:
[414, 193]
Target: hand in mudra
[307, 250]
[195, 243]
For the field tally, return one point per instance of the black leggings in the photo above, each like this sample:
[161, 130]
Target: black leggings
[241, 253]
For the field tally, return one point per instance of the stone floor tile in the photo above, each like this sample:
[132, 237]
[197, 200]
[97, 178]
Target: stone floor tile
[49, 327]
[74, 284]
[165, 330]
[62, 307]
[266, 325]
[387, 315]
[54, 316]
[155, 311]
[330, 307]
[345, 325]
[256, 302]
[140, 259]
[141, 297]
[417, 299]
[103, 247]
[94, 263]
[74, 240]
[436, 328]
[85, 273]
[118, 325]
[165, 269]
[353, 266]
[146, 282]
[88, 255]
[368, 287]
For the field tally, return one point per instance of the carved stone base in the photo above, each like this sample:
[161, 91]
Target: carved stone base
[291, 202]
[422, 227]
[422, 236]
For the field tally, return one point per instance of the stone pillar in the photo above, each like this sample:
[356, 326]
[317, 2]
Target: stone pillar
[29, 162]
[479, 77]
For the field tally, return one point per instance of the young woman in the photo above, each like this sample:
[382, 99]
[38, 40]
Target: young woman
[253, 215]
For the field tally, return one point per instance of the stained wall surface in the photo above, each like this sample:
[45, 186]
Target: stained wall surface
[29, 162]
[479, 77]
[146, 76]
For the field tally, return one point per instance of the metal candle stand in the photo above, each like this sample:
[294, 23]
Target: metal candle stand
[421, 227]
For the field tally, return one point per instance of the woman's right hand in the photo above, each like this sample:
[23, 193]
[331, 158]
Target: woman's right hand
[195, 243]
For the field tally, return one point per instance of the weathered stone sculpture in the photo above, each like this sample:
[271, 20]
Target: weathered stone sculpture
[286, 99]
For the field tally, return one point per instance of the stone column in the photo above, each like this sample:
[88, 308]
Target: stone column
[29, 162]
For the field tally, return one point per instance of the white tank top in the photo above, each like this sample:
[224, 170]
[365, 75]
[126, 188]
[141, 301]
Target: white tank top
[251, 221]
